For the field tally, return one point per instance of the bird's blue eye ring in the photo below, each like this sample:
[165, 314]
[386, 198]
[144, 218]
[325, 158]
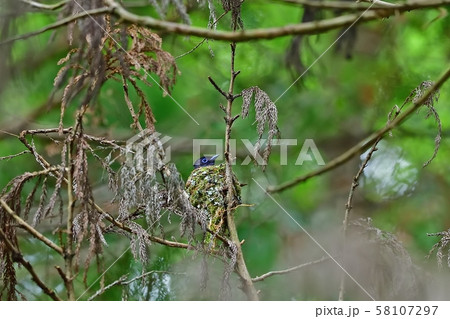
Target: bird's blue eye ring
[204, 160]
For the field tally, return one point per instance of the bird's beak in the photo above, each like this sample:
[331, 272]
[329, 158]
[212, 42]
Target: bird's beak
[214, 157]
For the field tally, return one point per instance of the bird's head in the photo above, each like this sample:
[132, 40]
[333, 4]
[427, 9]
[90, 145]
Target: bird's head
[205, 161]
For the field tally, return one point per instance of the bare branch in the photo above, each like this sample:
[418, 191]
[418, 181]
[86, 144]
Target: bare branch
[14, 155]
[225, 94]
[30, 229]
[342, 5]
[63, 275]
[201, 42]
[239, 36]
[151, 237]
[380, 3]
[57, 24]
[271, 33]
[122, 281]
[119, 281]
[286, 271]
[348, 208]
[44, 6]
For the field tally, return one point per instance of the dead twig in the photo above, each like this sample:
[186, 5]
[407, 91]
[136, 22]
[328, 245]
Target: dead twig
[14, 155]
[288, 270]
[31, 230]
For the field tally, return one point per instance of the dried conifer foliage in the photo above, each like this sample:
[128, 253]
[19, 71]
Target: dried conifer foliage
[62, 189]
[266, 116]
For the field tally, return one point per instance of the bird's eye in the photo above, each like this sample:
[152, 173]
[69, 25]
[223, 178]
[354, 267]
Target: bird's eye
[204, 160]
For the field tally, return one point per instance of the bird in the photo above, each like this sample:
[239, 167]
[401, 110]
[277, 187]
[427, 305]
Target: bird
[207, 191]
[205, 161]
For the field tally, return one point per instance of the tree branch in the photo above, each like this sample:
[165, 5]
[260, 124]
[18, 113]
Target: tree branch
[342, 5]
[31, 229]
[225, 94]
[14, 155]
[57, 24]
[314, 27]
[68, 251]
[241, 267]
[348, 208]
[365, 143]
[270, 33]
[123, 281]
[44, 6]
[286, 271]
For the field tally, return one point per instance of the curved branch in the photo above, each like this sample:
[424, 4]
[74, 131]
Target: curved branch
[364, 144]
[314, 27]
[285, 271]
[123, 281]
[341, 5]
[57, 24]
[270, 33]
[44, 6]
[30, 229]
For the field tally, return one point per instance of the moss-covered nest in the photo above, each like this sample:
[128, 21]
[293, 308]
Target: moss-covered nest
[207, 191]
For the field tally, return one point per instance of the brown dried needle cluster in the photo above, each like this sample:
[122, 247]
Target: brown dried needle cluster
[266, 115]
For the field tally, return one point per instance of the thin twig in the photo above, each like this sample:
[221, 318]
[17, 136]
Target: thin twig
[119, 281]
[286, 271]
[46, 131]
[58, 24]
[100, 140]
[225, 94]
[203, 41]
[381, 3]
[365, 143]
[348, 208]
[31, 229]
[17, 257]
[62, 275]
[44, 6]
[122, 281]
[342, 5]
[14, 155]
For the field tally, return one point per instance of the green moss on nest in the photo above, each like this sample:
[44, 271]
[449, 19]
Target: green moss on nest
[207, 191]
